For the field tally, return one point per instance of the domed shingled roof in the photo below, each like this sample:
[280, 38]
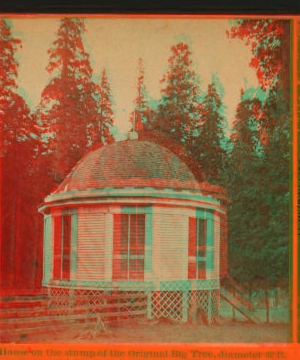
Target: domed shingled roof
[129, 163]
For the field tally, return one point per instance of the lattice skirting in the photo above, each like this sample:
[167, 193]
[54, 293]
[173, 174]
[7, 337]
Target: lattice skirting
[181, 306]
[178, 306]
[122, 303]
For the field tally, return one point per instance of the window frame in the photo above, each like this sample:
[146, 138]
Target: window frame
[201, 275]
[130, 249]
[207, 246]
[61, 251]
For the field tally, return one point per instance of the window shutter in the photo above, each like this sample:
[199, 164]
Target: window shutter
[74, 246]
[201, 249]
[223, 246]
[210, 242]
[47, 249]
[66, 247]
[137, 247]
[192, 266]
[57, 247]
[120, 247]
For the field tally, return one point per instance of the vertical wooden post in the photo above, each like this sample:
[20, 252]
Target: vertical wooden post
[72, 297]
[149, 298]
[233, 310]
[49, 297]
[184, 306]
[194, 307]
[209, 312]
[233, 314]
[119, 311]
[276, 297]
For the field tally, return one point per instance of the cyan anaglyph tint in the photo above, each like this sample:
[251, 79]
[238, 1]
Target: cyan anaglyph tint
[167, 230]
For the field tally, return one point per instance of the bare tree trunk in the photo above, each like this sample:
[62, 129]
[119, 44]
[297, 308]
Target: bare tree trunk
[250, 294]
[233, 314]
[267, 305]
[276, 297]
[17, 249]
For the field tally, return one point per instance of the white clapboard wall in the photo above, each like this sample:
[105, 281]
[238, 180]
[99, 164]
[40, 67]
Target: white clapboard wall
[91, 244]
[170, 243]
[166, 245]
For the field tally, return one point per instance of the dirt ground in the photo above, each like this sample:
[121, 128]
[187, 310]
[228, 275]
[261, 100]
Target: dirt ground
[240, 331]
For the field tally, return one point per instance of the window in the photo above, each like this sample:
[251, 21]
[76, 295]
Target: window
[62, 246]
[201, 251]
[129, 247]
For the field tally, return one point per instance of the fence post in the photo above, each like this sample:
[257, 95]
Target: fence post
[194, 306]
[72, 297]
[49, 302]
[149, 298]
[209, 315]
[185, 300]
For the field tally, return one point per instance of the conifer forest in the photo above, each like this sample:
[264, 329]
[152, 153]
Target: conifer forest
[249, 157]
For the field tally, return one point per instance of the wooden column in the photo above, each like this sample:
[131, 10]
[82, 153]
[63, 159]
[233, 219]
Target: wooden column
[185, 306]
[209, 312]
[149, 298]
[233, 314]
[194, 307]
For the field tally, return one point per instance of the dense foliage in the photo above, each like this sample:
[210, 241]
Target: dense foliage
[258, 182]
[179, 109]
[40, 146]
[142, 115]
[19, 191]
[74, 113]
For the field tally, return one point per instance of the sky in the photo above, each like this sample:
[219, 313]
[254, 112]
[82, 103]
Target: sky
[117, 43]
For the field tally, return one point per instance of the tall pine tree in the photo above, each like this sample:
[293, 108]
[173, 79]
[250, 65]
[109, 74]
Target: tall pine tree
[269, 40]
[244, 216]
[210, 144]
[143, 115]
[179, 108]
[68, 106]
[105, 117]
[18, 149]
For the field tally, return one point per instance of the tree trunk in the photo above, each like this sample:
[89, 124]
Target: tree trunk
[17, 249]
[276, 297]
[233, 314]
[267, 305]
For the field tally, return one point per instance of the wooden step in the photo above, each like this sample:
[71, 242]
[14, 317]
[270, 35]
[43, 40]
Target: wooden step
[23, 298]
[44, 328]
[17, 303]
[233, 284]
[20, 304]
[27, 313]
[31, 323]
[250, 315]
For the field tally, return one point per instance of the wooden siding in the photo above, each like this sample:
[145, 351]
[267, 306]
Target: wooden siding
[91, 244]
[47, 249]
[74, 245]
[66, 247]
[57, 220]
[210, 248]
[108, 246]
[223, 246]
[166, 242]
[217, 247]
[170, 246]
[148, 247]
